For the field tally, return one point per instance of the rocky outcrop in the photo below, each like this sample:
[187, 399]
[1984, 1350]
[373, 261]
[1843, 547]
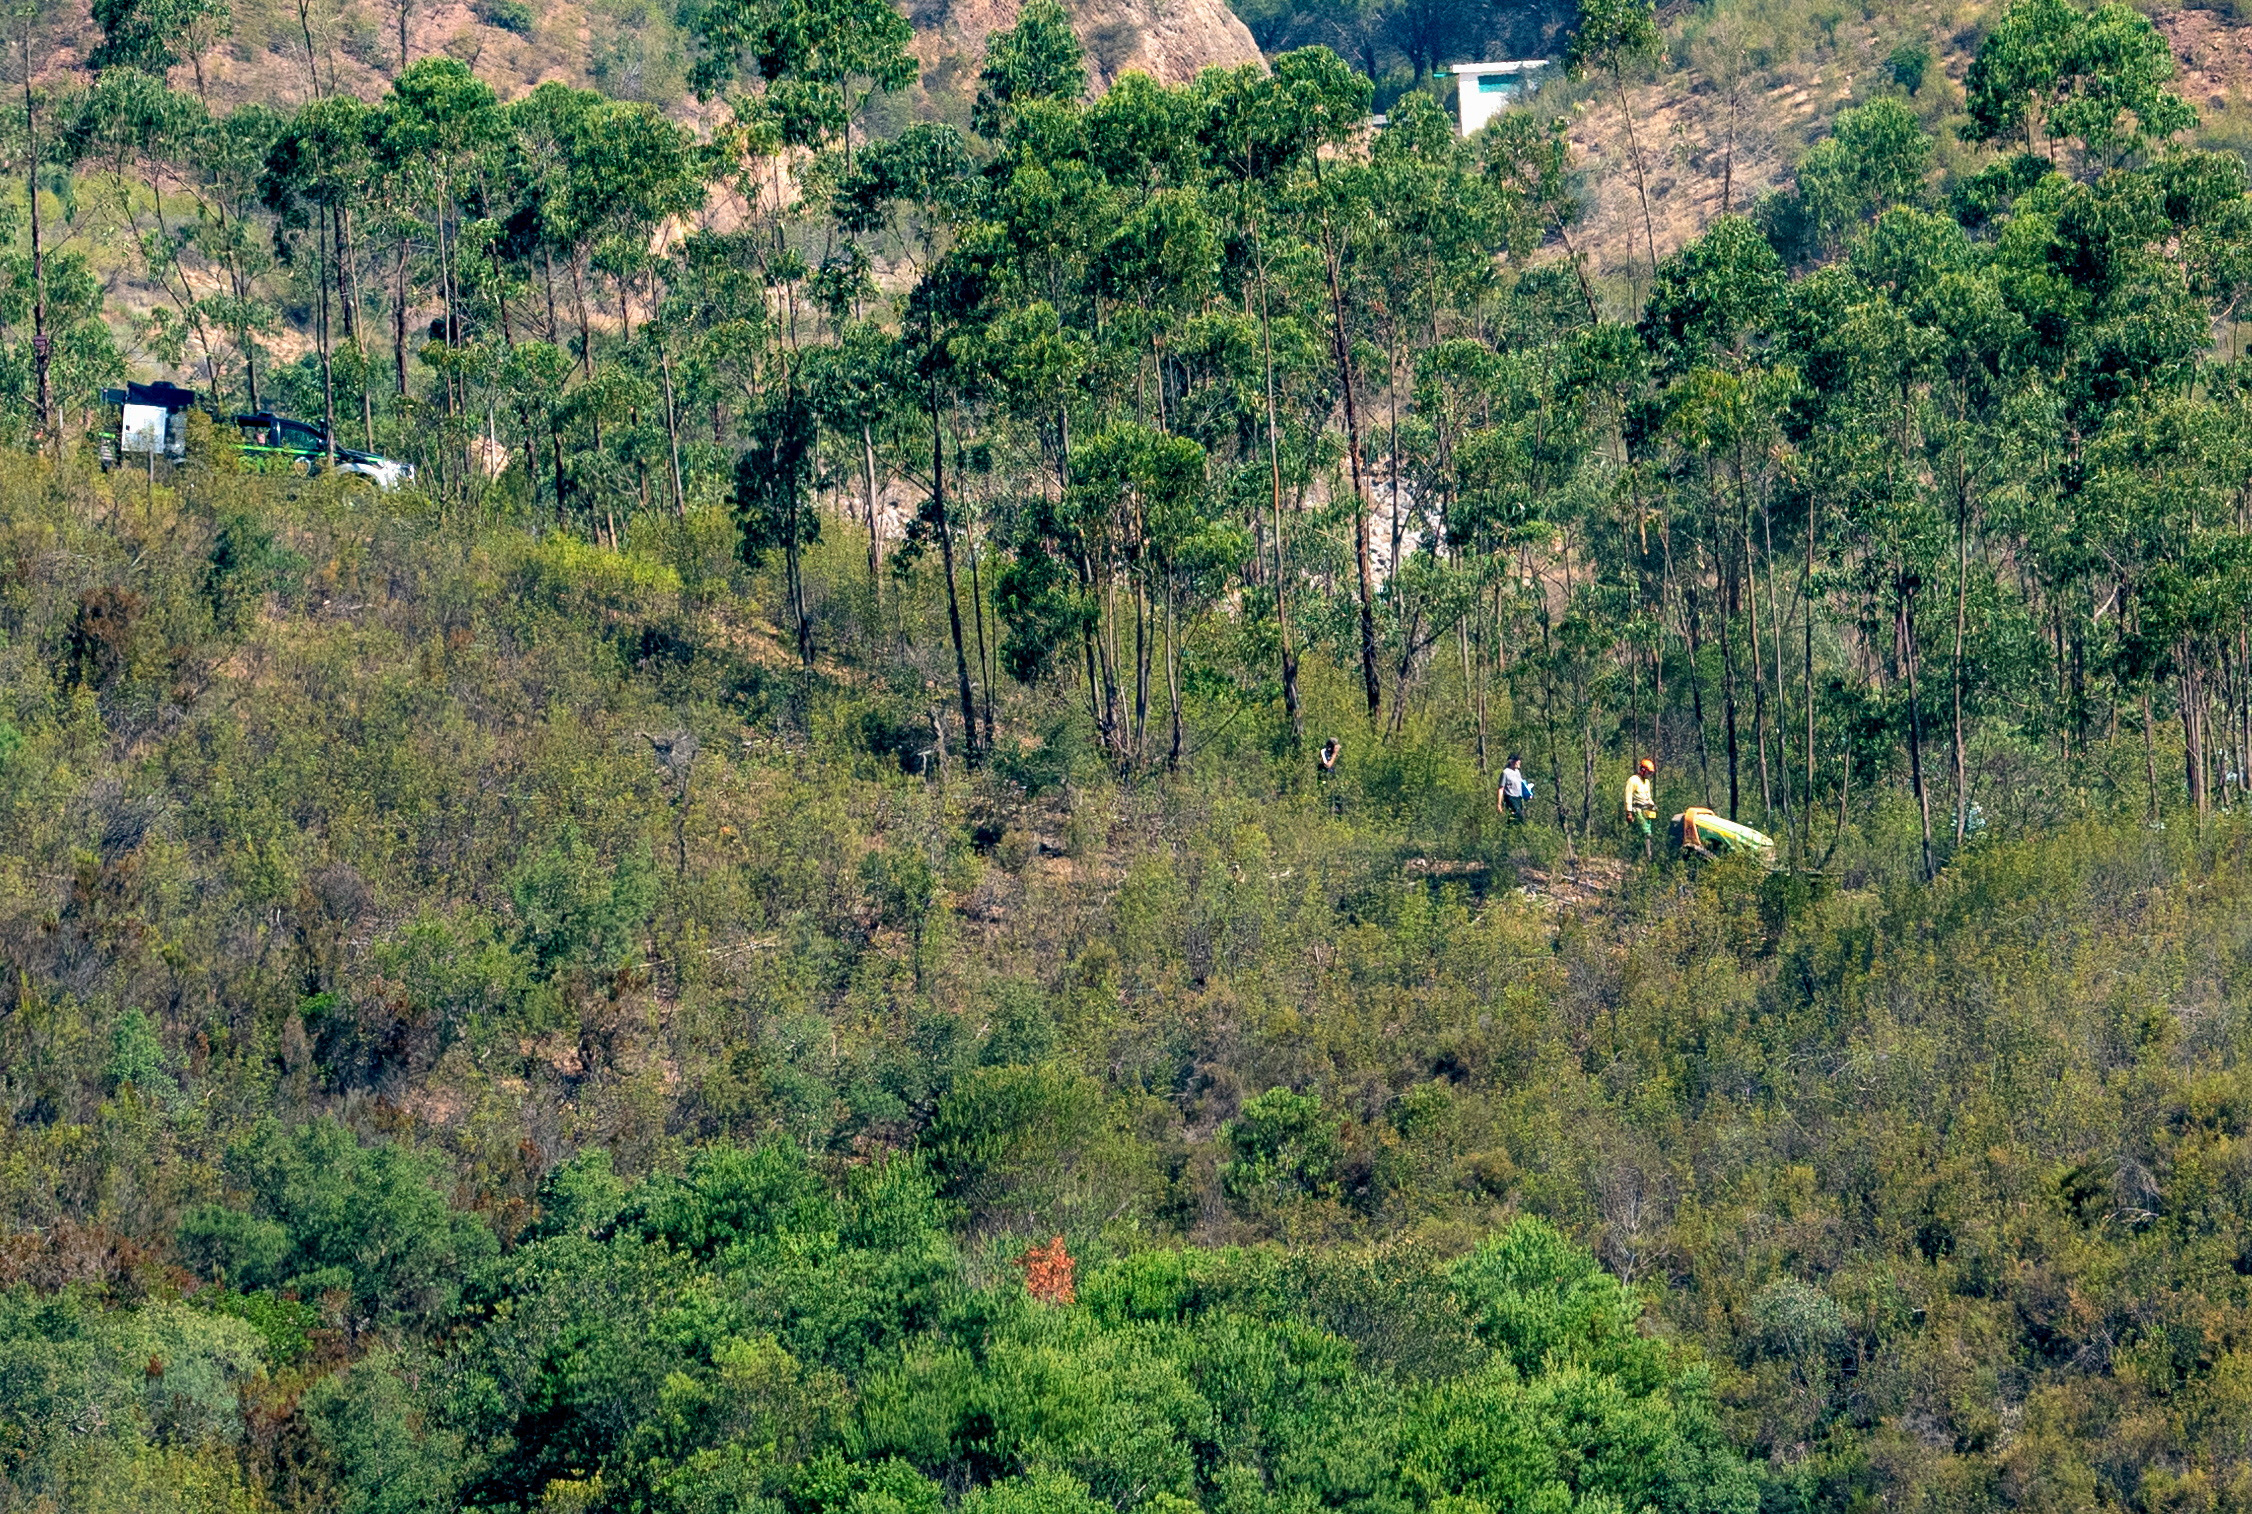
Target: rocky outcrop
[1170, 40]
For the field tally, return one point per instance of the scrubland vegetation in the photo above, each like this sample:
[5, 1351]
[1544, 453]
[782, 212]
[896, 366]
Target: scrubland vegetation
[770, 934]
[425, 1088]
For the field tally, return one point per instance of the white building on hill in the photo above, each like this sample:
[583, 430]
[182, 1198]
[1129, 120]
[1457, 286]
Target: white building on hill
[1484, 90]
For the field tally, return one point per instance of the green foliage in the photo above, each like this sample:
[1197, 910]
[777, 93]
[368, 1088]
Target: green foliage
[1908, 64]
[244, 565]
[137, 1060]
[787, 1272]
[105, 1408]
[716, 1365]
[575, 983]
[1537, 1299]
[1037, 59]
[377, 1447]
[808, 51]
[143, 35]
[1026, 1146]
[1715, 297]
[1611, 36]
[509, 15]
[286, 1325]
[2051, 70]
[325, 1213]
[1280, 1147]
[580, 910]
[1875, 158]
[771, 480]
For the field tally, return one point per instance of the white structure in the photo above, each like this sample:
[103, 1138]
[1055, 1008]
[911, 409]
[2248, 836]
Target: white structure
[152, 421]
[1484, 90]
[153, 429]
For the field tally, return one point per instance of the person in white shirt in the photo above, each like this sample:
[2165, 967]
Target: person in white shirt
[1514, 790]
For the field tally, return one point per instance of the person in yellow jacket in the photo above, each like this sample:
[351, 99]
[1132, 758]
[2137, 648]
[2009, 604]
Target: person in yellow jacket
[1641, 804]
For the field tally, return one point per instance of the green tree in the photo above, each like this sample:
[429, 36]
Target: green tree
[813, 54]
[2051, 72]
[1282, 1146]
[772, 513]
[1875, 158]
[1613, 36]
[327, 1213]
[145, 35]
[1039, 58]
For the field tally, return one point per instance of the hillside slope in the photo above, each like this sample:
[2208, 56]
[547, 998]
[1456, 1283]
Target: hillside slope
[1745, 88]
[508, 872]
[633, 49]
[1170, 40]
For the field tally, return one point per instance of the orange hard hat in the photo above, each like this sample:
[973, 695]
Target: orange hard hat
[1648, 766]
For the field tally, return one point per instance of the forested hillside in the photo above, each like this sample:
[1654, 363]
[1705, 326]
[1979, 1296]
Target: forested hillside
[881, 891]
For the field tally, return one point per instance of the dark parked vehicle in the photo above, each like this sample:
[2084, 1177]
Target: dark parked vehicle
[270, 441]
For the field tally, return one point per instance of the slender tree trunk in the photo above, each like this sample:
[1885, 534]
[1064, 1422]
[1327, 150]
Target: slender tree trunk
[1172, 678]
[1473, 681]
[1962, 615]
[399, 319]
[1728, 156]
[1548, 720]
[42, 397]
[1585, 707]
[350, 297]
[1759, 678]
[312, 62]
[1372, 682]
[2150, 757]
[1915, 728]
[1102, 696]
[1392, 568]
[2241, 719]
[328, 374]
[985, 669]
[555, 446]
[2193, 729]
[347, 279]
[554, 327]
[2080, 694]
[1845, 786]
[1692, 628]
[1579, 272]
[875, 537]
[1806, 607]
[791, 534]
[672, 435]
[1724, 590]
[500, 296]
[1274, 473]
[953, 600]
[446, 291]
[586, 331]
[249, 356]
[1142, 641]
[1780, 684]
[531, 459]
[1641, 181]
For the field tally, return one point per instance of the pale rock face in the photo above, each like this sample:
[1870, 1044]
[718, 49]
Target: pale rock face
[1170, 40]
